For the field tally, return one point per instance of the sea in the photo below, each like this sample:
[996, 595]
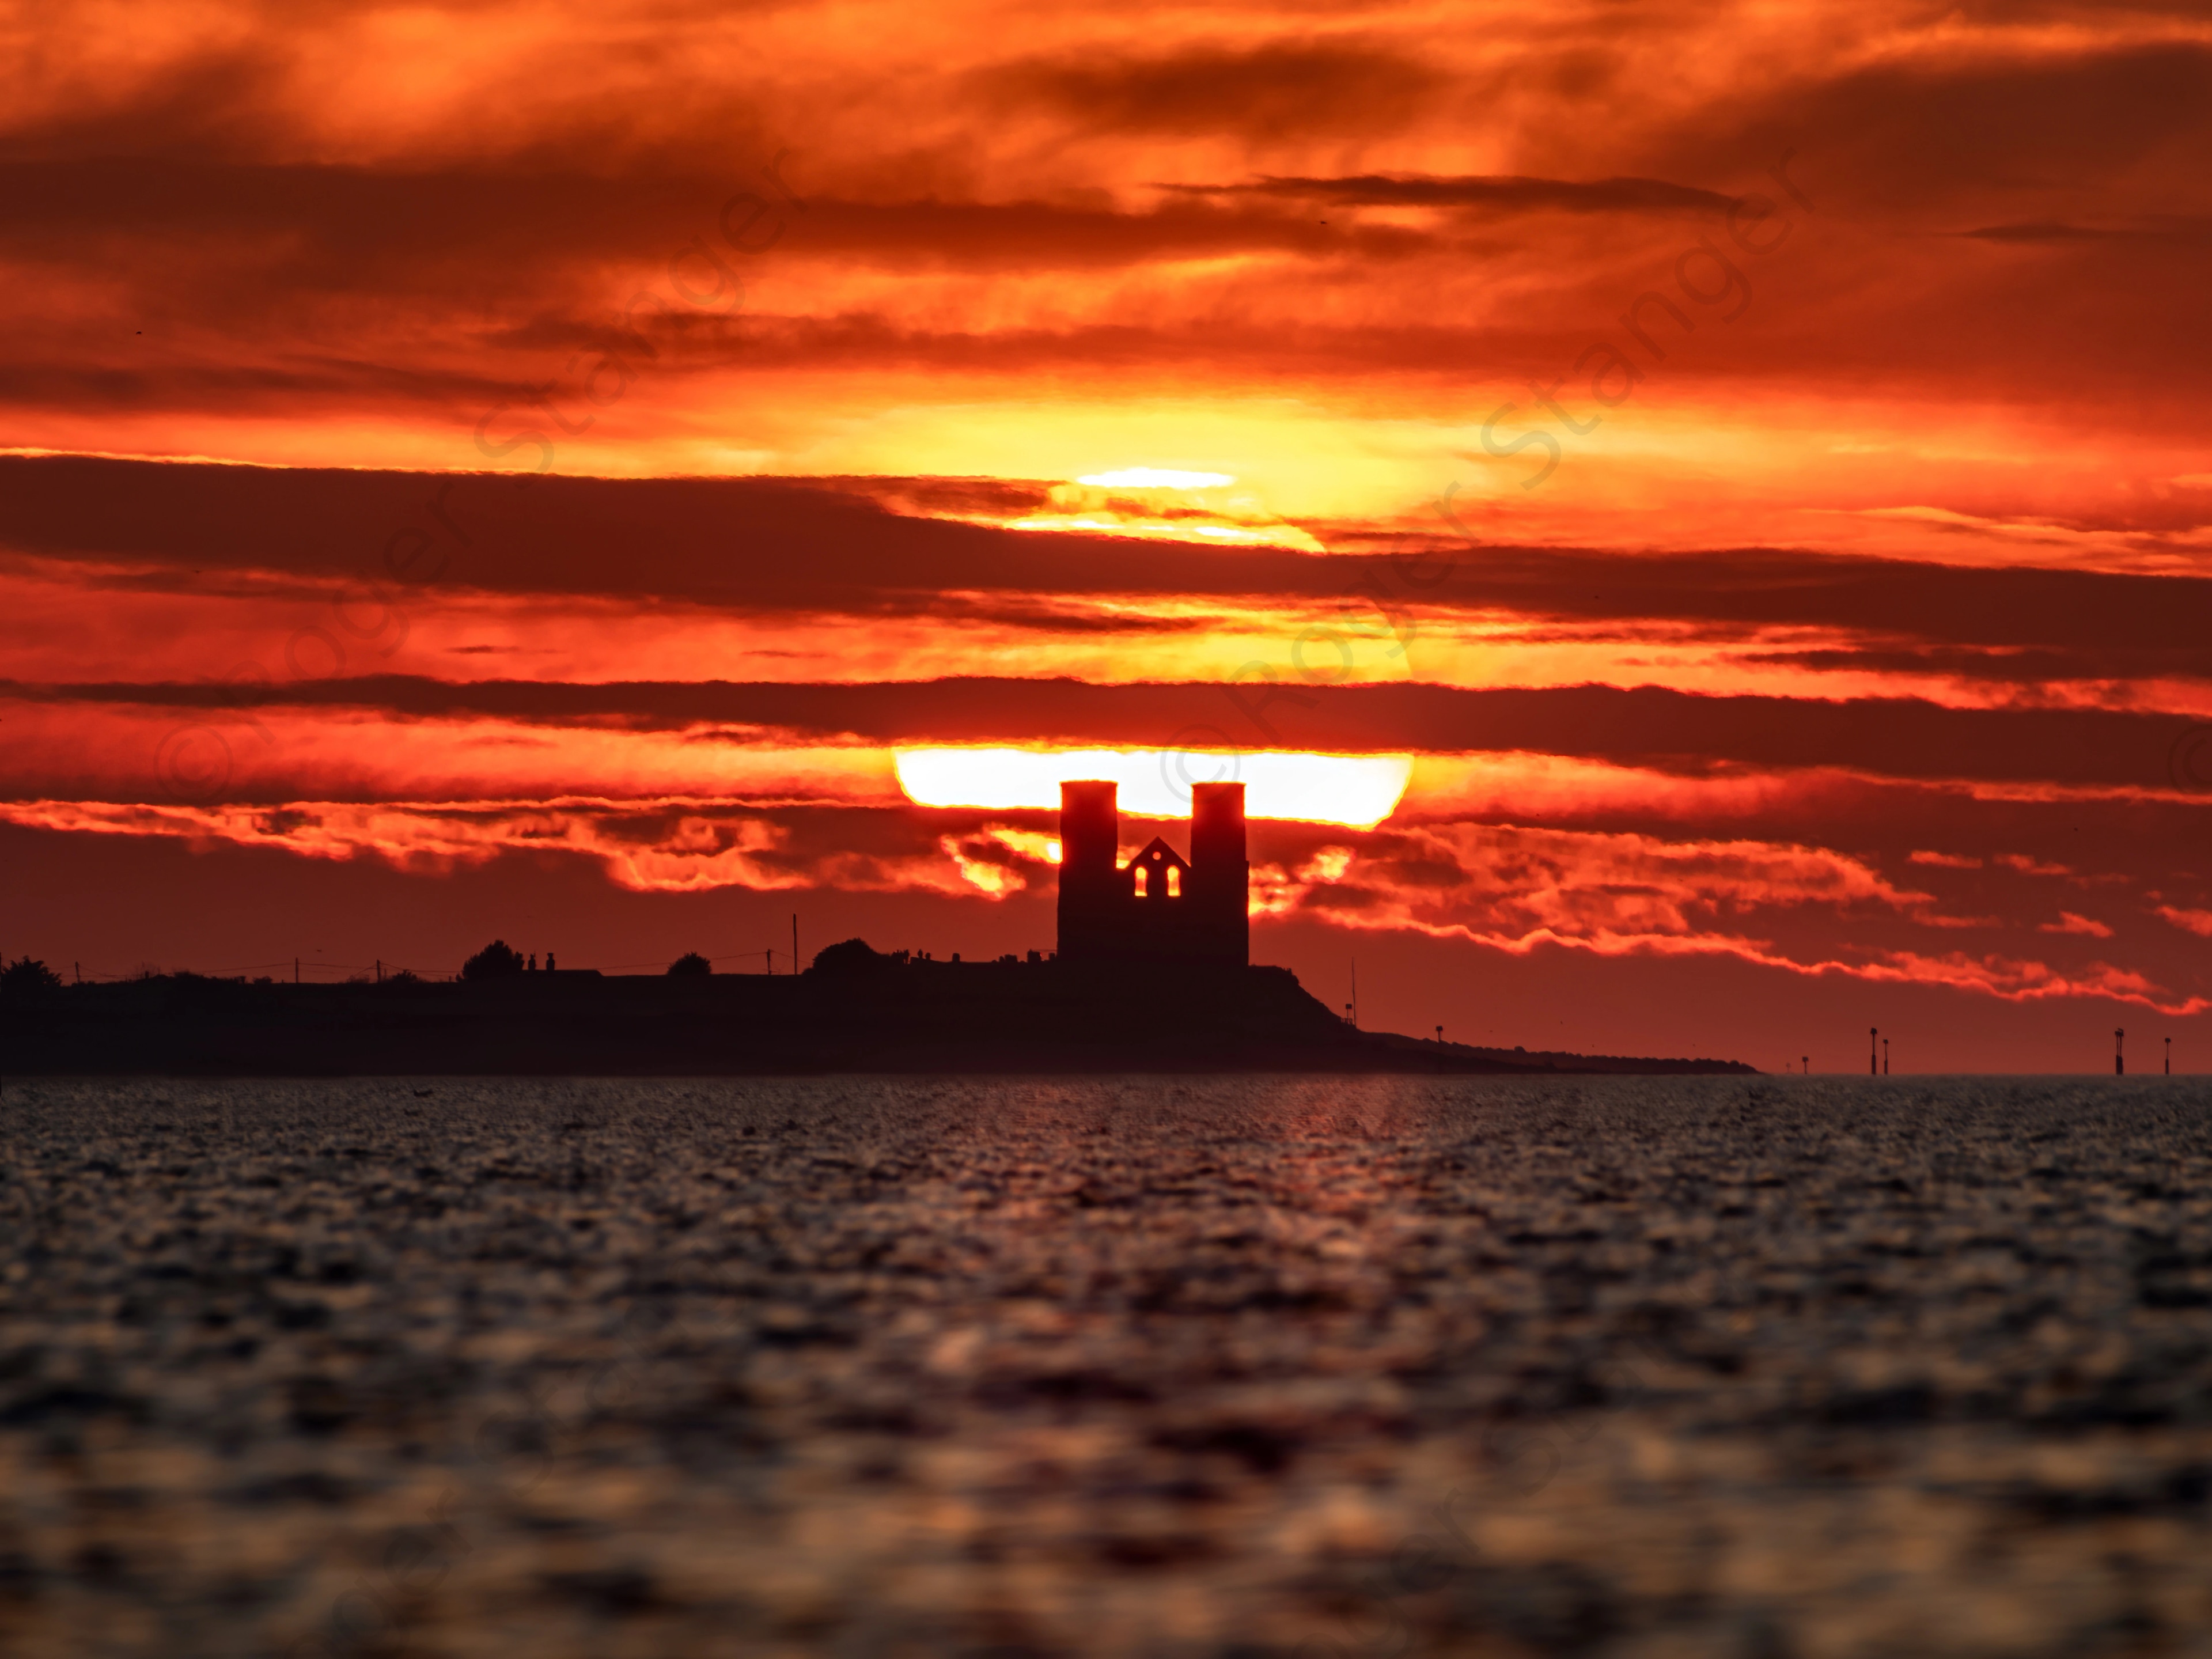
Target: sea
[1679, 1368]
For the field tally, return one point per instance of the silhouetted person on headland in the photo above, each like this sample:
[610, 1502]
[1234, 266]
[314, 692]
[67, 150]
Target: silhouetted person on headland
[549, 962]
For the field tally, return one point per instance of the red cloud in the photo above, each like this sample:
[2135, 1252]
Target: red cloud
[657, 846]
[2068, 922]
[1517, 888]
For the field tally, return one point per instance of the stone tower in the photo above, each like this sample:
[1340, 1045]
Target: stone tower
[1160, 906]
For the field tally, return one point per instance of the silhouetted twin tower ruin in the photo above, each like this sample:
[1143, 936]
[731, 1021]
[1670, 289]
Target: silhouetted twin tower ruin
[1159, 907]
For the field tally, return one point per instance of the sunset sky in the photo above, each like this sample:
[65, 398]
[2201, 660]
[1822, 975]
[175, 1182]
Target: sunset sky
[1694, 523]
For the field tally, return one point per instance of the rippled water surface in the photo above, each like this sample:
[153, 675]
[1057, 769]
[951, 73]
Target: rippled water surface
[1144, 1366]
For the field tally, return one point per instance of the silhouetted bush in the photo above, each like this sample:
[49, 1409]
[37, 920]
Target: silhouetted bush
[494, 961]
[690, 965]
[23, 976]
[847, 957]
[405, 976]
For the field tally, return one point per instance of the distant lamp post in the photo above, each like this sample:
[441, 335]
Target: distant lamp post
[1440, 1038]
[1347, 1014]
[1872, 1034]
[2119, 1057]
[1806, 1060]
[1885, 1056]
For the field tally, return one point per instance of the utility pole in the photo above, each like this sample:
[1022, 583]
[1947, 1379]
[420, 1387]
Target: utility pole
[1885, 1056]
[1872, 1032]
[2119, 1057]
[1440, 1036]
[1806, 1060]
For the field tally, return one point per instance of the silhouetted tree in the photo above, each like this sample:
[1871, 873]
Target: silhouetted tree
[494, 961]
[23, 976]
[690, 965]
[847, 957]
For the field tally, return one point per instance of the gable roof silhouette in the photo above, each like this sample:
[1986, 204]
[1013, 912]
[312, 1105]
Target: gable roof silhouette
[1157, 854]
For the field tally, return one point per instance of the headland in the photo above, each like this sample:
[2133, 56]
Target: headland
[1153, 973]
[883, 1016]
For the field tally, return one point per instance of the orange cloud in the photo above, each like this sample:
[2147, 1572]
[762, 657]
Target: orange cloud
[2068, 922]
[668, 845]
[1947, 860]
[1608, 889]
[1519, 889]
